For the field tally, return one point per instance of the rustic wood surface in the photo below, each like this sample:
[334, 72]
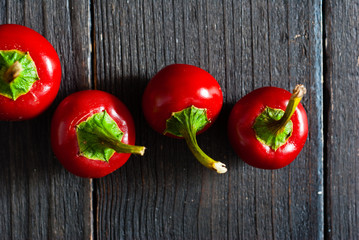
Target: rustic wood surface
[39, 199]
[117, 46]
[342, 119]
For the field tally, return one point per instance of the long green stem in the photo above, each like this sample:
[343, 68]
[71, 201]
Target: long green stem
[190, 137]
[186, 123]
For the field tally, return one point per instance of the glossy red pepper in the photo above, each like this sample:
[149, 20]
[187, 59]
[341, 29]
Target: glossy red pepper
[181, 101]
[108, 151]
[266, 142]
[33, 101]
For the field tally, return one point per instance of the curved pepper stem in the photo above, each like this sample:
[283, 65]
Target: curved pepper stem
[186, 124]
[203, 158]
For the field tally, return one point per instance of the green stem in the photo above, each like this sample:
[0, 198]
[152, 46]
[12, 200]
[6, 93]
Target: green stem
[121, 147]
[186, 123]
[296, 97]
[190, 136]
[116, 144]
[99, 137]
[273, 127]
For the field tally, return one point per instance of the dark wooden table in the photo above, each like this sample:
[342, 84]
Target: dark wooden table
[117, 46]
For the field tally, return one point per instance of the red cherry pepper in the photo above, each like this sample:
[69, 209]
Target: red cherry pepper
[181, 101]
[30, 73]
[92, 134]
[268, 127]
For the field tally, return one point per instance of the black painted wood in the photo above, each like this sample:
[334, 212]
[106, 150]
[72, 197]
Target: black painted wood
[342, 103]
[39, 199]
[245, 45]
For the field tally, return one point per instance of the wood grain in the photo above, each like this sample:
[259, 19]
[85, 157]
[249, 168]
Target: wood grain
[245, 45]
[39, 199]
[341, 105]
[117, 46]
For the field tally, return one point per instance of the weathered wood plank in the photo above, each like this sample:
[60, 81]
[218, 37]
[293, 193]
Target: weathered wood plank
[39, 199]
[305, 65]
[244, 45]
[341, 105]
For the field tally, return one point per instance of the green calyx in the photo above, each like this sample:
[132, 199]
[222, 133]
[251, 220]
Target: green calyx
[273, 127]
[17, 73]
[191, 119]
[268, 130]
[186, 124]
[99, 138]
